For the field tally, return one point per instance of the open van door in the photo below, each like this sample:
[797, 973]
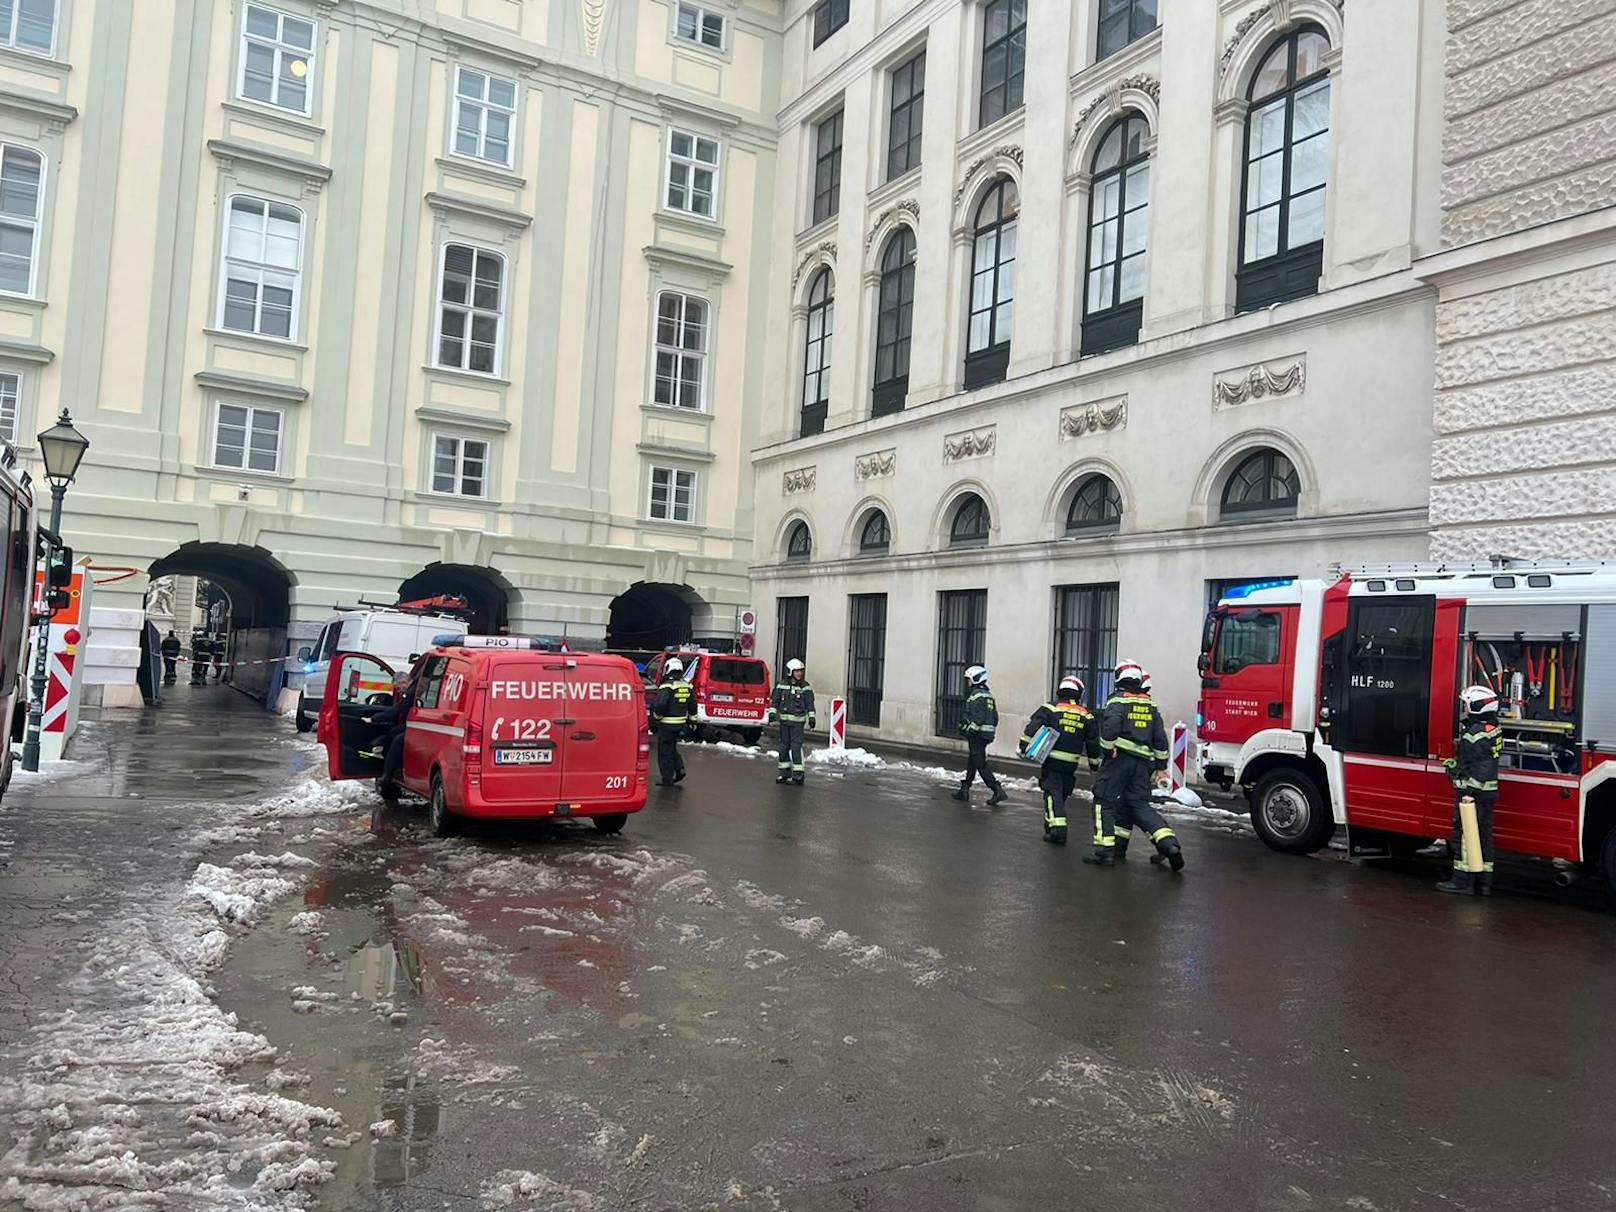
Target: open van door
[356, 685]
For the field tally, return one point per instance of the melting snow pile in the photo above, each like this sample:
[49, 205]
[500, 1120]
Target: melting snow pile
[858, 759]
[134, 1098]
[524, 1189]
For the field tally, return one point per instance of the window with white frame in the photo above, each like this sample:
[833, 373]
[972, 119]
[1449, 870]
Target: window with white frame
[485, 116]
[673, 495]
[692, 173]
[459, 466]
[247, 438]
[22, 180]
[470, 309]
[28, 25]
[693, 23]
[10, 400]
[681, 351]
[277, 58]
[263, 259]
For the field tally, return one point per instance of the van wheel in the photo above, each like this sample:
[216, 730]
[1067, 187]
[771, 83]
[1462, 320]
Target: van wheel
[1290, 813]
[751, 735]
[304, 722]
[610, 824]
[438, 815]
[1607, 865]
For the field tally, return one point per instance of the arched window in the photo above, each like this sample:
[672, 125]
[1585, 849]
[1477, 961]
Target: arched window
[1263, 484]
[875, 537]
[993, 285]
[1096, 508]
[894, 323]
[1119, 214]
[1287, 161]
[816, 361]
[799, 543]
[971, 522]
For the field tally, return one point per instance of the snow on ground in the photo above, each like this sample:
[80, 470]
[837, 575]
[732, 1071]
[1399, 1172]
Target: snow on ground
[136, 1097]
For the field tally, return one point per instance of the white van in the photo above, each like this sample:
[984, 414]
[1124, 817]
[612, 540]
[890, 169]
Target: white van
[396, 637]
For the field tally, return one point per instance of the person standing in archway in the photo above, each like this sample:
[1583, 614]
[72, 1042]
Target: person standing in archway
[171, 649]
[671, 713]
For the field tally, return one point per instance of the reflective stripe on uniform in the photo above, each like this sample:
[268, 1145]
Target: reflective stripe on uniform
[1056, 755]
[1052, 821]
[1135, 748]
[1101, 837]
[793, 719]
[1470, 784]
[1162, 835]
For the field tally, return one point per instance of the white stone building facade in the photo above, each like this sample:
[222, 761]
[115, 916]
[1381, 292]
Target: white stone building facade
[1524, 462]
[1136, 374]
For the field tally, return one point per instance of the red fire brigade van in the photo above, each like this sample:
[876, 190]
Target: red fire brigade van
[501, 727]
[1334, 703]
[730, 691]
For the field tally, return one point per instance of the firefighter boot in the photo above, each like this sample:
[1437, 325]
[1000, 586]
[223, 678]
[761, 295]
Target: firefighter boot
[1102, 856]
[1170, 852]
[1484, 883]
[1122, 836]
[1461, 883]
[784, 776]
[1054, 821]
[998, 797]
[962, 792]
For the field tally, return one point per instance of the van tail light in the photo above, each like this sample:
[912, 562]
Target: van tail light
[474, 738]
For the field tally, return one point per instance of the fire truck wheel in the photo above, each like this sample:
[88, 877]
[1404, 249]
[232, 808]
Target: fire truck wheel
[438, 815]
[1607, 865]
[751, 735]
[1289, 812]
[611, 823]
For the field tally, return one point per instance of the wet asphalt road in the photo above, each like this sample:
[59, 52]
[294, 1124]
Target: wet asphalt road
[862, 995]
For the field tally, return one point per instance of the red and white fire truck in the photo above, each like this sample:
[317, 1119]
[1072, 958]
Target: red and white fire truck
[1334, 703]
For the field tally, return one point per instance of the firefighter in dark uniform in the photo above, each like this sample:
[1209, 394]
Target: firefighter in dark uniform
[792, 707]
[171, 649]
[1077, 739]
[1123, 826]
[671, 713]
[1474, 771]
[1134, 741]
[980, 724]
[200, 656]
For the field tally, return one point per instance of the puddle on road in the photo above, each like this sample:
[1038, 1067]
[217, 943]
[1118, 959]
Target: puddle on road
[385, 971]
[413, 1108]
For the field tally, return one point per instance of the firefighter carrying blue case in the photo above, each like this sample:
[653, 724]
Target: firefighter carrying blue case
[1042, 742]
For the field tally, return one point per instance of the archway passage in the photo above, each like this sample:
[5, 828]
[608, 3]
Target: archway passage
[647, 618]
[487, 594]
[249, 602]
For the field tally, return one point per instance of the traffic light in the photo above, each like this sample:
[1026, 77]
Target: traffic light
[59, 579]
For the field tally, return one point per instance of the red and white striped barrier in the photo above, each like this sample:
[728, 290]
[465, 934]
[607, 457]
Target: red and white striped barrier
[838, 723]
[1178, 762]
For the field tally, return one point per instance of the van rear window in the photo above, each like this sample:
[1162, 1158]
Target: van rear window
[742, 673]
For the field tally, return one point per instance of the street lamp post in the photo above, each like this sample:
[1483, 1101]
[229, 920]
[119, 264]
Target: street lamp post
[62, 448]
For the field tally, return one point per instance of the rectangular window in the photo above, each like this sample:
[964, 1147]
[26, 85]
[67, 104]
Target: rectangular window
[827, 167]
[791, 633]
[263, 266]
[1245, 641]
[459, 466]
[277, 59]
[10, 397]
[247, 439]
[28, 25]
[1123, 21]
[1004, 58]
[471, 305]
[673, 495]
[829, 16]
[692, 174]
[22, 179]
[694, 24]
[962, 636]
[866, 656]
[432, 672]
[485, 116]
[1086, 637]
[906, 117]
[681, 351]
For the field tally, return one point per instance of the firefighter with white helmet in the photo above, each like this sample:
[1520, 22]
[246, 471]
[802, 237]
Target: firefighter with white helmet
[1077, 739]
[1474, 771]
[979, 724]
[671, 715]
[1134, 741]
[792, 706]
[1122, 827]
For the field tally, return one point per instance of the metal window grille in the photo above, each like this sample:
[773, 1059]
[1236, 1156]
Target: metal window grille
[962, 632]
[791, 632]
[866, 656]
[1085, 640]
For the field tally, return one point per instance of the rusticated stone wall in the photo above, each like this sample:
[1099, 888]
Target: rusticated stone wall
[1524, 458]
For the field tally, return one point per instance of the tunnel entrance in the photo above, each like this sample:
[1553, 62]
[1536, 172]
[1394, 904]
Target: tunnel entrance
[236, 601]
[647, 618]
[487, 593]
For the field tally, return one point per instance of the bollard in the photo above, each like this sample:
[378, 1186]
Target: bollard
[1178, 764]
[838, 724]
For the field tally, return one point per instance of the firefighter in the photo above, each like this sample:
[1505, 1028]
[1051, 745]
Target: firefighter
[1077, 739]
[671, 713]
[1134, 741]
[171, 649]
[792, 707]
[979, 725]
[1474, 771]
[199, 658]
[1122, 827]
